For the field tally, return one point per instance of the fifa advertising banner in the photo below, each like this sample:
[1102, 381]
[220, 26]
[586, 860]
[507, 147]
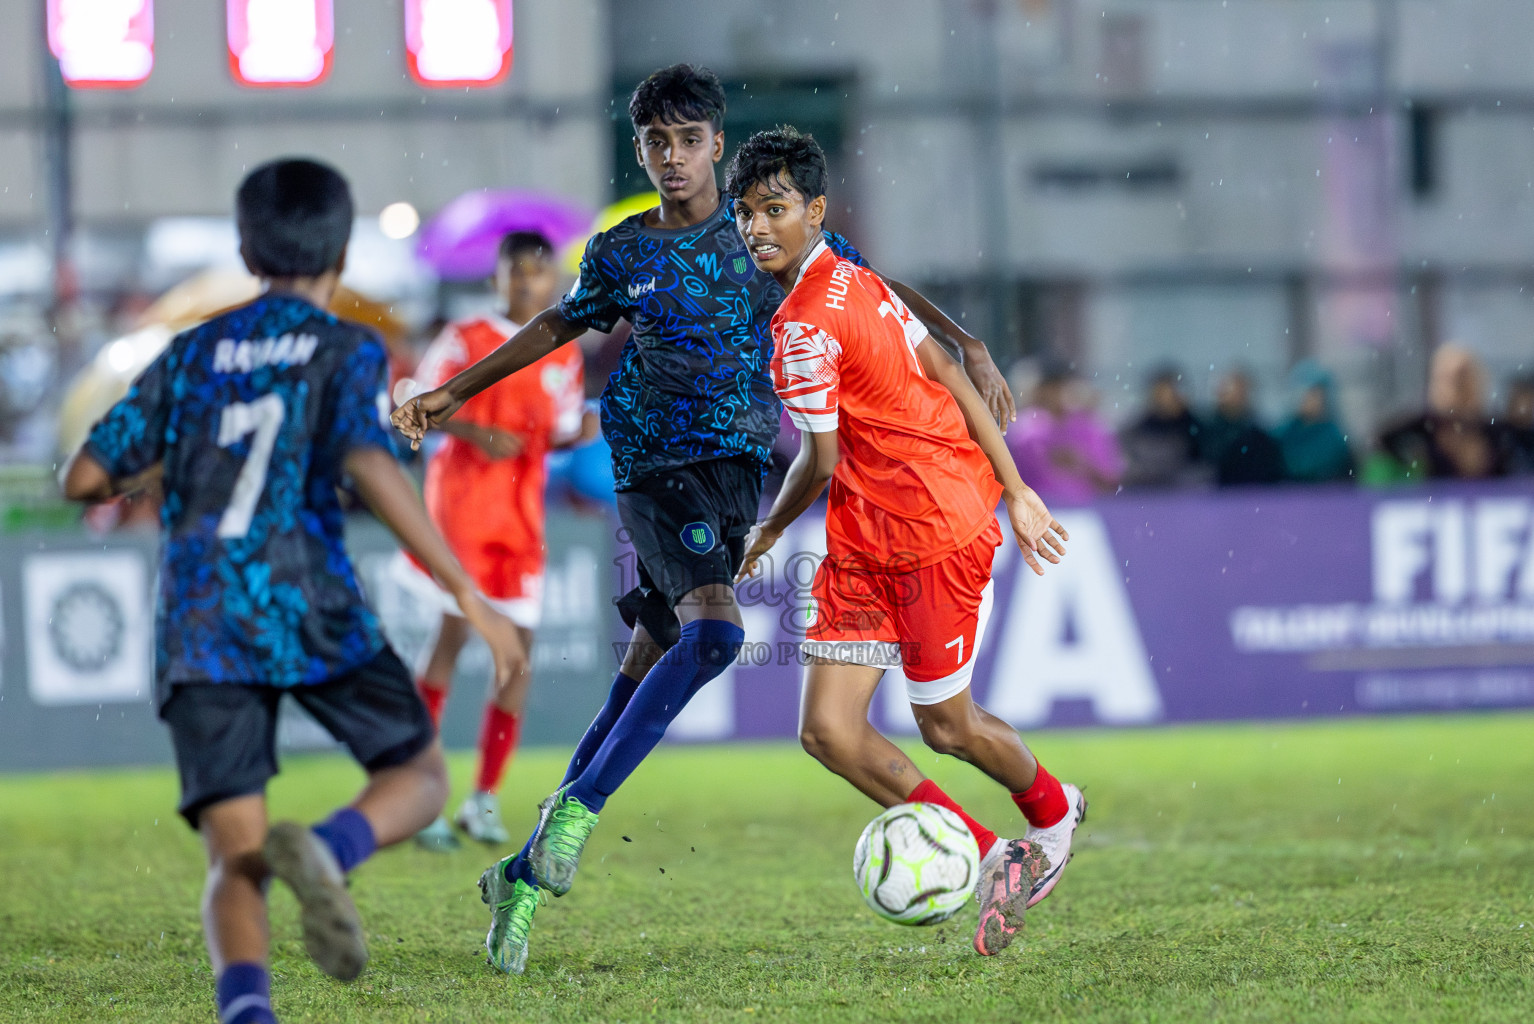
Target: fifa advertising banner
[1261, 603]
[1272, 603]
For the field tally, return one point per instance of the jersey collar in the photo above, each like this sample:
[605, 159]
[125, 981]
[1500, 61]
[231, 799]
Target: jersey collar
[820, 247]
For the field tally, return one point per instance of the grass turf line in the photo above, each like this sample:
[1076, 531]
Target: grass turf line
[1363, 870]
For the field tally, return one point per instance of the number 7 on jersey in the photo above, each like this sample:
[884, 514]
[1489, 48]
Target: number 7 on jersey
[264, 416]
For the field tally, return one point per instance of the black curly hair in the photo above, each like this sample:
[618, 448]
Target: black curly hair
[781, 152]
[676, 95]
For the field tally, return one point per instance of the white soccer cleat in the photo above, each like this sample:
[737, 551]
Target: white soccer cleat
[480, 818]
[1055, 841]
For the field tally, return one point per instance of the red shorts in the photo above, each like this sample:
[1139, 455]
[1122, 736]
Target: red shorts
[503, 578]
[928, 622]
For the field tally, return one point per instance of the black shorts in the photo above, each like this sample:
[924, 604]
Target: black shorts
[688, 526]
[225, 734]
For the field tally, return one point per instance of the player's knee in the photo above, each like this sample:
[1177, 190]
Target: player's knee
[237, 866]
[823, 742]
[430, 769]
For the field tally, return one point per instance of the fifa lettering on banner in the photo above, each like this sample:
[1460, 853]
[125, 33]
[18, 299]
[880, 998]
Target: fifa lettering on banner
[1444, 573]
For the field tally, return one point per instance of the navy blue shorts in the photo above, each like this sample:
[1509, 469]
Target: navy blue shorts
[688, 526]
[225, 734]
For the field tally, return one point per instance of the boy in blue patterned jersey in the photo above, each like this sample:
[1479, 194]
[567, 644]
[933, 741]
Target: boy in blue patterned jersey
[251, 421]
[690, 415]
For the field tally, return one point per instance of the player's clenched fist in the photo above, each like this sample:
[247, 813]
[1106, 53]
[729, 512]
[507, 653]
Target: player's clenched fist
[417, 415]
[1038, 533]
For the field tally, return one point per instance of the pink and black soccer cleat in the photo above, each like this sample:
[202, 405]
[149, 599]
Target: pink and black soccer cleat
[1006, 882]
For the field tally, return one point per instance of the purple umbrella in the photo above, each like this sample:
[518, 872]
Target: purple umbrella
[461, 241]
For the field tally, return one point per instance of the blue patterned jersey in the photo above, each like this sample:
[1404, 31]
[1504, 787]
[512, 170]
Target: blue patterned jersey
[693, 381]
[252, 414]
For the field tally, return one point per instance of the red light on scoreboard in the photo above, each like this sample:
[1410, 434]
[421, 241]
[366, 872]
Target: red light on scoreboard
[277, 43]
[102, 44]
[457, 43]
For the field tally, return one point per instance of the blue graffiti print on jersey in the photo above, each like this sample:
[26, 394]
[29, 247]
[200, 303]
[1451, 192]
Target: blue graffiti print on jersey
[692, 383]
[252, 415]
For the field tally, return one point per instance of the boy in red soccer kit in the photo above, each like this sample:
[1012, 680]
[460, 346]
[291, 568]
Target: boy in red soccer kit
[916, 465]
[485, 492]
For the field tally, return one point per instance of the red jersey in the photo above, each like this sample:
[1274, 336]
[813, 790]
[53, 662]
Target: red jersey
[911, 486]
[478, 502]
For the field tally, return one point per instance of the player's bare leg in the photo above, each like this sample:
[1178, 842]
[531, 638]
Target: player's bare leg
[1010, 870]
[963, 729]
[434, 679]
[834, 730]
[234, 919]
[398, 802]
[234, 898]
[452, 634]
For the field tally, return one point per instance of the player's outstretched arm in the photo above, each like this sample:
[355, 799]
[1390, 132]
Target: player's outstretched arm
[542, 335]
[807, 477]
[978, 364]
[388, 492]
[1038, 534]
[84, 479]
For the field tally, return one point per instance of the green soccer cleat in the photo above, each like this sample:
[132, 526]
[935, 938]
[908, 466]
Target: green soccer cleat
[511, 917]
[556, 850]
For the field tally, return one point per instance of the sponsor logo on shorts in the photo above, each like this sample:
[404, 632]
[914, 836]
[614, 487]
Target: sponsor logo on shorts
[698, 538]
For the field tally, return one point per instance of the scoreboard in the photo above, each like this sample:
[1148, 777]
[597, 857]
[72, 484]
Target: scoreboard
[285, 44]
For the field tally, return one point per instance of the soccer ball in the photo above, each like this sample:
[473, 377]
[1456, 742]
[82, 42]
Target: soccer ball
[916, 864]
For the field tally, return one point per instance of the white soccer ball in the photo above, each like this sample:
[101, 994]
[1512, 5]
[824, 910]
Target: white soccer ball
[916, 864]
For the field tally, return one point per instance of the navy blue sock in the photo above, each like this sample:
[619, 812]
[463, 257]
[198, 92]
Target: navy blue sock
[706, 649]
[518, 867]
[244, 994]
[617, 699]
[349, 837]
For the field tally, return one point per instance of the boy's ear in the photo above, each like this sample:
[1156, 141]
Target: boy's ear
[718, 145]
[245, 258]
[817, 210]
[340, 267]
[638, 153]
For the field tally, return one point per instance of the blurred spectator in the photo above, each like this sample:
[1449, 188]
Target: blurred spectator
[1062, 448]
[1231, 441]
[1315, 449]
[1161, 447]
[1515, 430]
[1453, 438]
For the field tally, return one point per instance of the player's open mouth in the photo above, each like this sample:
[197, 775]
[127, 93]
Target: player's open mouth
[765, 251]
[674, 181]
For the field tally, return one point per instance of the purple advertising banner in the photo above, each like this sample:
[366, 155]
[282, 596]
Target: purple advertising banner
[1271, 603]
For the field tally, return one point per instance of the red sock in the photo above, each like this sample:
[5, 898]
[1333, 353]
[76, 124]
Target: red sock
[497, 739]
[928, 792]
[435, 695]
[1044, 804]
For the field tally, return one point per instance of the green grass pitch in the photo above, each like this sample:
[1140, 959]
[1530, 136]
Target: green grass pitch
[1378, 870]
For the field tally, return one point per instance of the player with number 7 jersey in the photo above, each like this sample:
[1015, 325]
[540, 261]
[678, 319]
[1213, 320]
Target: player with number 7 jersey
[915, 466]
[252, 413]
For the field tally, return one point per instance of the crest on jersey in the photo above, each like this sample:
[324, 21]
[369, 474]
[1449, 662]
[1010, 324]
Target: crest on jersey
[738, 267]
[698, 538]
